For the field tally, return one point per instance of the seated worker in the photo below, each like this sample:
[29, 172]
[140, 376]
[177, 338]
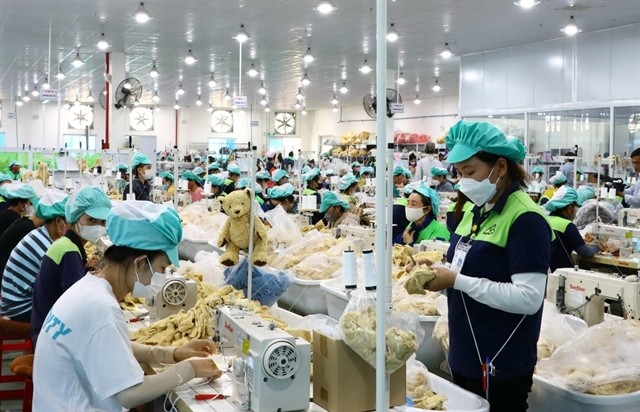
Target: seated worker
[400, 221]
[21, 201]
[24, 261]
[167, 184]
[558, 180]
[195, 186]
[401, 177]
[421, 212]
[263, 178]
[217, 185]
[88, 363]
[232, 179]
[14, 170]
[4, 180]
[282, 196]
[65, 262]
[563, 206]
[355, 169]
[336, 211]
[439, 176]
[313, 182]
[586, 193]
[198, 171]
[123, 178]
[536, 176]
[142, 174]
[348, 186]
[328, 174]
[280, 177]
[257, 190]
[452, 220]
[366, 172]
[618, 185]
[213, 168]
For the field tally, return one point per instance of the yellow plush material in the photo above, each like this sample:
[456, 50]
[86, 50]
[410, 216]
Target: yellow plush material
[235, 233]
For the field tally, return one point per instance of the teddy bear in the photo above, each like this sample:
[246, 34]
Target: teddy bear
[235, 233]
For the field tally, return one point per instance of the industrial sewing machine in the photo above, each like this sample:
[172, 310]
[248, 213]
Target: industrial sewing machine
[431, 245]
[585, 293]
[629, 218]
[627, 236]
[272, 369]
[176, 294]
[362, 236]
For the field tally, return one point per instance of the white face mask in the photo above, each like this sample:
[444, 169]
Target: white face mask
[90, 233]
[478, 192]
[149, 174]
[29, 211]
[140, 290]
[413, 214]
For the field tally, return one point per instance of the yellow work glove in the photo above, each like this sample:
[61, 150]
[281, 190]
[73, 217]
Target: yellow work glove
[419, 277]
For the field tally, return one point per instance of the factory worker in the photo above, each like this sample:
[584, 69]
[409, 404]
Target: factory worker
[366, 172]
[217, 185]
[270, 165]
[87, 362]
[348, 186]
[632, 194]
[142, 174]
[336, 211]
[421, 212]
[563, 207]
[4, 180]
[499, 258]
[23, 262]
[263, 178]
[429, 160]
[537, 173]
[306, 169]
[232, 179]
[282, 196]
[400, 179]
[200, 172]
[66, 261]
[121, 183]
[453, 219]
[400, 221]
[558, 180]
[14, 170]
[257, 190]
[21, 201]
[586, 193]
[280, 177]
[618, 185]
[355, 169]
[195, 186]
[313, 183]
[439, 176]
[213, 168]
[568, 167]
[167, 183]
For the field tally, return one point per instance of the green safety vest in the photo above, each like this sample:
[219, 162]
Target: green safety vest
[467, 206]
[495, 229]
[308, 192]
[228, 182]
[558, 224]
[259, 200]
[61, 247]
[402, 201]
[433, 231]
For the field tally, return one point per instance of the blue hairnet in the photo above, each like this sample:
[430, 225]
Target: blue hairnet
[311, 174]
[52, 204]
[214, 166]
[407, 172]
[122, 168]
[366, 169]
[408, 189]
[14, 163]
[263, 175]
[145, 226]
[563, 197]
[330, 199]
[538, 169]
[438, 171]
[191, 176]
[215, 180]
[398, 171]
[430, 194]
[558, 178]
[166, 175]
[346, 181]
[244, 182]
[4, 177]
[585, 193]
[140, 159]
[355, 164]
[233, 169]
[279, 174]
[281, 191]
[198, 170]
[305, 169]
[456, 186]
[19, 190]
[90, 200]
[465, 139]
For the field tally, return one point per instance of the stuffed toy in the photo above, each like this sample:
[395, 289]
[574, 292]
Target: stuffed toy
[235, 233]
[43, 173]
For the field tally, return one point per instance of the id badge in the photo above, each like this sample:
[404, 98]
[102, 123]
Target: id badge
[459, 256]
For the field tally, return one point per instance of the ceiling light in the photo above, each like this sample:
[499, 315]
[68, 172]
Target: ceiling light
[299, 95]
[77, 61]
[343, 88]
[436, 87]
[305, 80]
[392, 34]
[417, 100]
[90, 96]
[227, 96]
[19, 103]
[77, 101]
[155, 97]
[199, 101]
[66, 105]
[212, 82]
[60, 75]
[242, 35]
[297, 105]
[308, 57]
[35, 92]
[127, 84]
[102, 43]
[267, 109]
[104, 92]
[262, 90]
[45, 83]
[527, 4]
[304, 111]
[325, 7]
[264, 101]
[180, 90]
[210, 109]
[401, 80]
[176, 106]
[142, 15]
[136, 103]
[157, 108]
[190, 58]
[154, 72]
[365, 68]
[252, 71]
[335, 108]
[26, 98]
[571, 29]
[446, 53]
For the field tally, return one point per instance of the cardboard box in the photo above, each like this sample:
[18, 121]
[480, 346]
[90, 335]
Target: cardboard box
[343, 381]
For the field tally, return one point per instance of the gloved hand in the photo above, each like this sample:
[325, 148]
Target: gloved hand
[417, 279]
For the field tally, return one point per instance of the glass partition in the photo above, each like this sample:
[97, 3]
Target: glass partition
[626, 137]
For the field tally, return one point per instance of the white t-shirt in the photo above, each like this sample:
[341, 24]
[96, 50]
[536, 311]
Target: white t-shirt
[83, 357]
[423, 168]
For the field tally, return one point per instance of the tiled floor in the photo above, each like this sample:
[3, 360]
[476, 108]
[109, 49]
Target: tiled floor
[10, 405]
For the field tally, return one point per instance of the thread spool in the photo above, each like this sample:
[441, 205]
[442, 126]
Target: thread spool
[68, 183]
[603, 192]
[369, 265]
[207, 188]
[612, 193]
[350, 270]
[50, 181]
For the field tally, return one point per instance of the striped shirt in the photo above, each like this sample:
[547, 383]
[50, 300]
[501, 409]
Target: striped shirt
[20, 273]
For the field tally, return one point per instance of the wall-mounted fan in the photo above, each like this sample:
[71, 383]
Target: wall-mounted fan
[102, 98]
[127, 93]
[370, 102]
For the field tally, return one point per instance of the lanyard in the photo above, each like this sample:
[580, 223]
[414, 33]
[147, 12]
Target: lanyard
[479, 217]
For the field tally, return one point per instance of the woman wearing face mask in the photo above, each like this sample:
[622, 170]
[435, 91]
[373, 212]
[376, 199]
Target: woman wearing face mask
[499, 257]
[20, 200]
[142, 174]
[280, 177]
[348, 186]
[537, 174]
[558, 180]
[14, 170]
[313, 181]
[4, 180]
[439, 176]
[563, 207]
[262, 178]
[336, 211]
[421, 210]
[257, 191]
[23, 262]
[65, 261]
[282, 196]
[234, 175]
[213, 168]
[199, 171]
[401, 178]
[87, 362]
[195, 186]
[167, 184]
[217, 185]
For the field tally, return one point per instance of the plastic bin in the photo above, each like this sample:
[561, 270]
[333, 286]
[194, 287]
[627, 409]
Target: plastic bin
[547, 396]
[304, 297]
[188, 248]
[430, 352]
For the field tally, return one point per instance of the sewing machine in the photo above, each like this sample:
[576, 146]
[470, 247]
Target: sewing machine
[584, 292]
[213, 205]
[362, 236]
[272, 369]
[157, 196]
[629, 218]
[627, 236]
[431, 245]
[184, 199]
[175, 295]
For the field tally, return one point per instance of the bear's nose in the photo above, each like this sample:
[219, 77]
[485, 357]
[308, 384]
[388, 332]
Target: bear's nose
[237, 212]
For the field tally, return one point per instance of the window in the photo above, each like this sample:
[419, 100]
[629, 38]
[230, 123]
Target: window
[79, 141]
[216, 144]
[2, 143]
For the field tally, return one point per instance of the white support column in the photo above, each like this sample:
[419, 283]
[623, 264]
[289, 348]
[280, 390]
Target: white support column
[118, 118]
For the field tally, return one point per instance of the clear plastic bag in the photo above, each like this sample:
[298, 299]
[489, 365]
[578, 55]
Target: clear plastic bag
[318, 266]
[284, 231]
[603, 360]
[608, 213]
[358, 325]
[207, 264]
[557, 329]
[323, 324]
[311, 243]
[420, 395]
[268, 284]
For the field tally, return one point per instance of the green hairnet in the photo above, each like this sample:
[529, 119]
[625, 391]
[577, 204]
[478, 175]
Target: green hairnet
[562, 198]
[166, 175]
[52, 204]
[331, 199]
[346, 181]
[145, 226]
[585, 193]
[538, 169]
[279, 174]
[558, 178]
[465, 139]
[19, 190]
[411, 187]
[90, 200]
[311, 174]
[122, 168]
[305, 169]
[244, 182]
[215, 180]
[14, 163]
[456, 186]
[192, 176]
[263, 175]
[214, 166]
[355, 164]
[233, 169]
[398, 171]
[430, 194]
[438, 171]
[281, 191]
[366, 169]
[198, 170]
[5, 177]
[140, 159]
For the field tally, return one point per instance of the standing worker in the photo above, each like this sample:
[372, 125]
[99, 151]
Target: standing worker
[4, 180]
[21, 200]
[421, 212]
[558, 180]
[142, 174]
[569, 167]
[430, 159]
[499, 259]
[632, 194]
[14, 170]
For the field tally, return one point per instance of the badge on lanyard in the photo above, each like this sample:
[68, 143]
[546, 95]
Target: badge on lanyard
[460, 255]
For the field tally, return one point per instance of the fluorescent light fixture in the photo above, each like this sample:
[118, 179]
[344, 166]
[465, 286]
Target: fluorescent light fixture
[267, 109]
[335, 100]
[212, 82]
[365, 68]
[325, 7]
[262, 90]
[401, 80]
[264, 101]
[90, 96]
[417, 100]
[199, 101]
[297, 105]
[392, 34]
[344, 89]
[176, 106]
[446, 53]
[335, 108]
[305, 80]
[102, 43]
[210, 109]
[142, 15]
[436, 87]
[60, 75]
[77, 61]
[308, 57]
[45, 83]
[242, 35]
[527, 4]
[571, 29]
[304, 111]
[155, 97]
[190, 58]
[180, 90]
[154, 73]
[252, 71]
[227, 96]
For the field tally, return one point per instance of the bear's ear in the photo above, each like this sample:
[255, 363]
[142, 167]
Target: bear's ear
[248, 191]
[221, 200]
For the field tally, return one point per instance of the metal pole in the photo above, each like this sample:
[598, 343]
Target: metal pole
[252, 219]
